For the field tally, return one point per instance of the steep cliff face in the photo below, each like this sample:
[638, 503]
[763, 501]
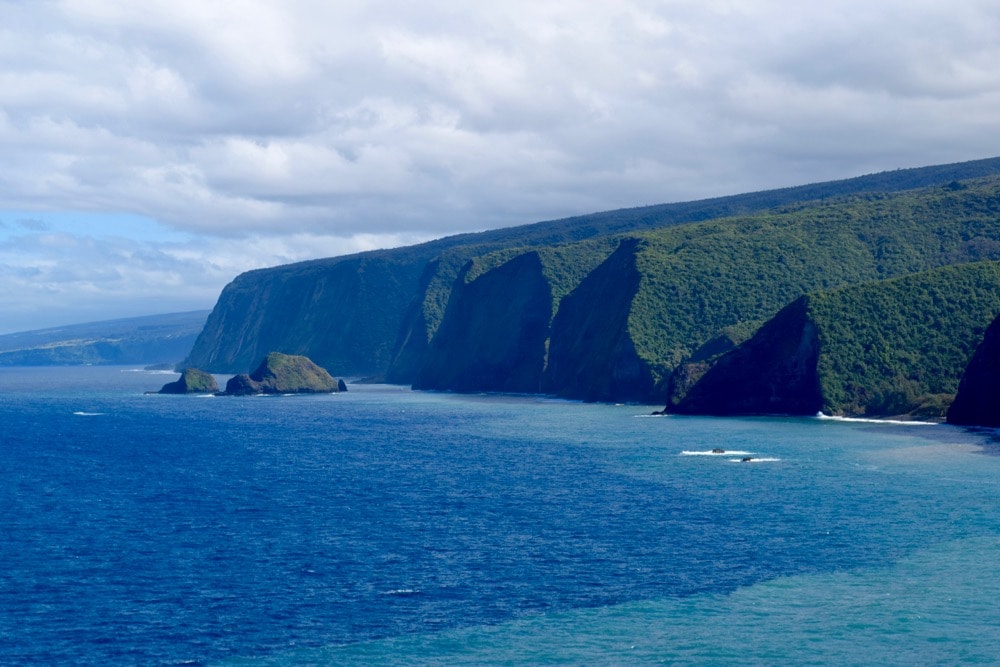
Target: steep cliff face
[772, 373]
[494, 332]
[624, 328]
[889, 348]
[424, 314]
[978, 400]
[591, 355]
[343, 313]
[644, 313]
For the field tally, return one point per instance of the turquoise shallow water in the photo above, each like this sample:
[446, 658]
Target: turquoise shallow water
[392, 527]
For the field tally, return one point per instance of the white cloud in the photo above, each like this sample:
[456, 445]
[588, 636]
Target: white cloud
[244, 120]
[81, 278]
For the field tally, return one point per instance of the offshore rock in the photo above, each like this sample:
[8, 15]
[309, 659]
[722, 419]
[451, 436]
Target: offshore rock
[192, 381]
[283, 374]
[978, 400]
[242, 385]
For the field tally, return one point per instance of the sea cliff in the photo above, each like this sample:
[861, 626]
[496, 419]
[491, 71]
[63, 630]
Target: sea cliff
[603, 307]
[886, 348]
[978, 399]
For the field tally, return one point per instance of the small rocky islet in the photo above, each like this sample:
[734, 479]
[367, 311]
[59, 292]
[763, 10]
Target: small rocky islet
[278, 373]
[192, 381]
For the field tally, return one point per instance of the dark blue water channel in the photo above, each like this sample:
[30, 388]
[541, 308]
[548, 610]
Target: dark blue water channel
[165, 530]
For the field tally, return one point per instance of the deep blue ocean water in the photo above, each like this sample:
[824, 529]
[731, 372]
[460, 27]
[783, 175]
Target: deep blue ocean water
[384, 526]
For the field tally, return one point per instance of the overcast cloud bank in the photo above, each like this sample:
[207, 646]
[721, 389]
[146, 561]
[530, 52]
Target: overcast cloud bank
[254, 133]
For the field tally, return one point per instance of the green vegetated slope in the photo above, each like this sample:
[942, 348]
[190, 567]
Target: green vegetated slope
[344, 313]
[887, 348]
[620, 333]
[376, 313]
[701, 278]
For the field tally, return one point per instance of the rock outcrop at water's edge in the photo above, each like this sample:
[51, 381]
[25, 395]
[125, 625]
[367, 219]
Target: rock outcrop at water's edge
[892, 348]
[772, 373]
[284, 374]
[192, 381]
[978, 400]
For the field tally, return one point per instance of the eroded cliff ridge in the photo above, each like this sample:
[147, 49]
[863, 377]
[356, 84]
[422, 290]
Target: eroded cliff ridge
[892, 348]
[602, 307]
[978, 400]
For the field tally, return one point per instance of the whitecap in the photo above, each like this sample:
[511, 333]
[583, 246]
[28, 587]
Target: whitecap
[80, 413]
[724, 452]
[869, 420]
[401, 591]
[762, 459]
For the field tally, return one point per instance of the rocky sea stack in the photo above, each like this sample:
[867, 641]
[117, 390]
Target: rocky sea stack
[284, 374]
[193, 381]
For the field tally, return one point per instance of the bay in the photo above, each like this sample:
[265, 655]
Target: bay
[384, 526]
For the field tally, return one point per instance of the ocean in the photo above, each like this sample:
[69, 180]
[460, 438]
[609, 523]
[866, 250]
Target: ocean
[386, 526]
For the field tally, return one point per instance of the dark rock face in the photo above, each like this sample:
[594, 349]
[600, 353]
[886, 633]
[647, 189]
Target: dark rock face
[591, 355]
[242, 385]
[772, 373]
[283, 374]
[683, 379]
[193, 381]
[978, 400]
[688, 373]
[289, 308]
[494, 332]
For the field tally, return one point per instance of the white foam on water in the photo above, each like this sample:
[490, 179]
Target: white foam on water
[80, 413]
[866, 420]
[754, 459]
[725, 452]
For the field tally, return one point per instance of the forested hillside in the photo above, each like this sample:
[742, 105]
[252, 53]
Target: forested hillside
[602, 307]
[376, 313]
[886, 348]
[623, 328]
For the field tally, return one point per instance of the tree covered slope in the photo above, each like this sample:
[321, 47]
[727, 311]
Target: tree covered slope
[887, 348]
[622, 328]
[378, 313]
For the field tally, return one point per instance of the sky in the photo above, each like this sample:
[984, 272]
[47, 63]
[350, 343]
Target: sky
[154, 150]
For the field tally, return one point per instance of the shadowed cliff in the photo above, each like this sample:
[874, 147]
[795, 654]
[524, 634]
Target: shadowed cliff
[978, 400]
[772, 373]
[591, 355]
[493, 335]
[436, 315]
[890, 348]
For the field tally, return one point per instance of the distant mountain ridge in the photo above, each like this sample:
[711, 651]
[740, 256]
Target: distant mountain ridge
[604, 306]
[165, 338]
